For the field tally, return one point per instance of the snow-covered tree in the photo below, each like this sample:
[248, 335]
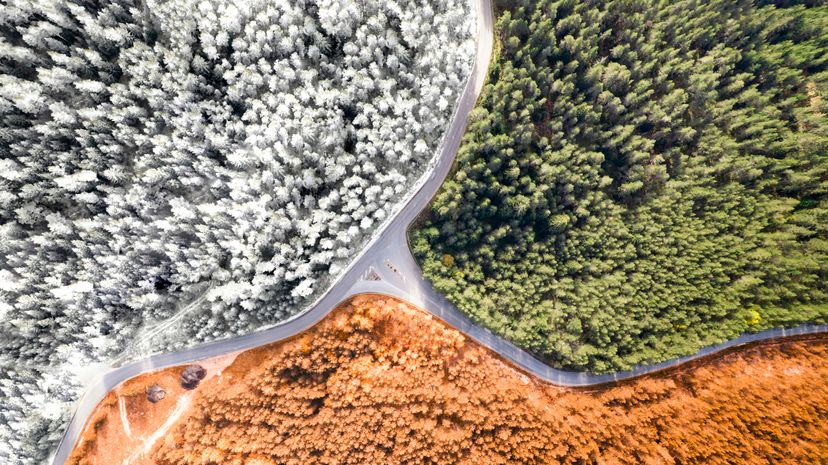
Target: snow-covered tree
[220, 158]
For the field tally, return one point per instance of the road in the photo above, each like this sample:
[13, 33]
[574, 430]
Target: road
[388, 256]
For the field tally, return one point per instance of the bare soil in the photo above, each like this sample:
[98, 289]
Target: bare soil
[126, 426]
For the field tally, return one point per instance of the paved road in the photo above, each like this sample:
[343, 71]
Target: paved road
[388, 256]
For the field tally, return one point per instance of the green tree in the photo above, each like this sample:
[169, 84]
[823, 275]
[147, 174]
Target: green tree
[641, 179]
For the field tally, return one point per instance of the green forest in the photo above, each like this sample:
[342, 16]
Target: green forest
[640, 179]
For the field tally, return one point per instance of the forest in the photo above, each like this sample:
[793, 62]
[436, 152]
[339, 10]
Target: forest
[640, 179]
[381, 382]
[223, 157]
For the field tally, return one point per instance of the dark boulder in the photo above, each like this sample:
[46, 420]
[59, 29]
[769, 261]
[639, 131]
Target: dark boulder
[155, 393]
[191, 376]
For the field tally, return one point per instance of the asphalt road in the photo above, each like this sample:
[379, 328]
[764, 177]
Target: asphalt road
[389, 257]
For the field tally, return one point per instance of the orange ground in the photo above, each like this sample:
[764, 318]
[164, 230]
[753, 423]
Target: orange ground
[380, 382]
[125, 426]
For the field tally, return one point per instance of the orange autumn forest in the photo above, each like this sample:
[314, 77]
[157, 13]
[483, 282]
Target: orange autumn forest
[379, 381]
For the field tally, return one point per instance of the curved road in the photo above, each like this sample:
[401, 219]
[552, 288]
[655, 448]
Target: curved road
[386, 266]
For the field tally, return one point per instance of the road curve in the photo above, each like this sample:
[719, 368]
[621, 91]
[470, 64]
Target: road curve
[351, 282]
[388, 258]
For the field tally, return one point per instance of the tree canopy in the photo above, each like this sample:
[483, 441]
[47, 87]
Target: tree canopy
[227, 157]
[640, 179]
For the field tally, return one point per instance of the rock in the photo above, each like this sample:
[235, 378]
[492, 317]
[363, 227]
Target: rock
[155, 393]
[191, 376]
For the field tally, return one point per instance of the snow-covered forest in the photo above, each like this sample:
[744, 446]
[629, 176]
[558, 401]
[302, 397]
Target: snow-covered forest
[223, 156]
